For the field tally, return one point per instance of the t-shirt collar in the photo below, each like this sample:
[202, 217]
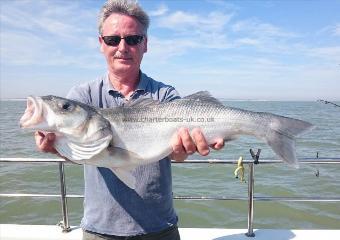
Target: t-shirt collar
[142, 85]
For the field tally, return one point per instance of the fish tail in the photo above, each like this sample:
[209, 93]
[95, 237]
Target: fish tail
[281, 137]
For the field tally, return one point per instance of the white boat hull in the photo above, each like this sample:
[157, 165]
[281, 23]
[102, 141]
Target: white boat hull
[48, 232]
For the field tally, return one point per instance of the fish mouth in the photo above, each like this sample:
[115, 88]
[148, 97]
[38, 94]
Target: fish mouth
[33, 113]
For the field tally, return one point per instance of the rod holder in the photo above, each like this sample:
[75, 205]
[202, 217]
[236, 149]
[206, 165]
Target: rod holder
[250, 232]
[255, 157]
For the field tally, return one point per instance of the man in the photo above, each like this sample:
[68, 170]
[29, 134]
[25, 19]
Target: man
[111, 209]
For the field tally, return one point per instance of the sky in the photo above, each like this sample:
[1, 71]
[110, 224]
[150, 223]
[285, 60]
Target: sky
[259, 50]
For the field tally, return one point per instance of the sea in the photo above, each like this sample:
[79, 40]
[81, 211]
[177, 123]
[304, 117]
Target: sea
[196, 180]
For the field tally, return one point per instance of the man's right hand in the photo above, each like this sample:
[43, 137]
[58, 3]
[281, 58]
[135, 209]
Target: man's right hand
[45, 141]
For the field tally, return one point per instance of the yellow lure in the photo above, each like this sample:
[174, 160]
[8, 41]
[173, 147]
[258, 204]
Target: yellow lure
[239, 171]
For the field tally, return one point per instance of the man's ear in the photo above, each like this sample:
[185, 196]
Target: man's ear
[101, 42]
[145, 44]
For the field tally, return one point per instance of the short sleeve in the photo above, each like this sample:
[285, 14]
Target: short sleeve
[171, 94]
[80, 93]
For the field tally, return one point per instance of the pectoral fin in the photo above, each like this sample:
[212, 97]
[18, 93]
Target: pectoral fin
[78, 150]
[125, 176]
[120, 161]
[230, 138]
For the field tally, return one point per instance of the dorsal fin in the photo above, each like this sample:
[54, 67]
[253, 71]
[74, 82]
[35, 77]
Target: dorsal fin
[202, 96]
[142, 102]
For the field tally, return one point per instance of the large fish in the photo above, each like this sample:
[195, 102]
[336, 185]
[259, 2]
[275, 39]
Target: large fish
[123, 138]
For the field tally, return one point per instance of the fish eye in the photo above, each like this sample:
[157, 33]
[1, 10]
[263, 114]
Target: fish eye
[67, 106]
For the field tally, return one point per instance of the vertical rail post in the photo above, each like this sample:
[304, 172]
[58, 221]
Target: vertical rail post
[250, 232]
[64, 224]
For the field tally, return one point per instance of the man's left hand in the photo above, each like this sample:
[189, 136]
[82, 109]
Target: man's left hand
[184, 144]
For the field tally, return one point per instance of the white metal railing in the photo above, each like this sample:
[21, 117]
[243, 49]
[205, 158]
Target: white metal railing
[251, 198]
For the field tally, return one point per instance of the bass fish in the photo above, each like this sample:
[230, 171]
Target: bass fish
[122, 138]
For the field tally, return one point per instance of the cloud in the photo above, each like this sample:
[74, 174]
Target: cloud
[181, 21]
[330, 54]
[22, 48]
[161, 10]
[332, 30]
[161, 50]
[244, 53]
[242, 76]
[247, 41]
[27, 49]
[240, 55]
[48, 33]
[217, 30]
[258, 28]
[224, 5]
[43, 17]
[336, 30]
[263, 37]
[226, 32]
[187, 31]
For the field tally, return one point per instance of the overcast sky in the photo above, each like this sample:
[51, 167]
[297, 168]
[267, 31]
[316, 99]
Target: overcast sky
[272, 50]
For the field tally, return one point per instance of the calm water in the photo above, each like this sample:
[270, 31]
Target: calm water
[195, 180]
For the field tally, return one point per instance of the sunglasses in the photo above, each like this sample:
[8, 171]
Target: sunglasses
[131, 40]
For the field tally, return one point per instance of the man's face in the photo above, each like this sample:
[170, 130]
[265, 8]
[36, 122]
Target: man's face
[122, 59]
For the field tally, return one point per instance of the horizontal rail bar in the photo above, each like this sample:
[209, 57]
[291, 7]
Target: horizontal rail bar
[279, 199]
[207, 161]
[275, 199]
[265, 161]
[32, 160]
[38, 195]
[209, 198]
[298, 199]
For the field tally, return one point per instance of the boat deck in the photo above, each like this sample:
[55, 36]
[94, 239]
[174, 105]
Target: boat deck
[49, 232]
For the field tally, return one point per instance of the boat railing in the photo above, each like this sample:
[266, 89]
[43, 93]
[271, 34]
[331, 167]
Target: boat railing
[64, 224]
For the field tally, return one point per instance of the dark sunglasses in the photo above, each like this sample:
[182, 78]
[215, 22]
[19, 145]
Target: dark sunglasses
[131, 40]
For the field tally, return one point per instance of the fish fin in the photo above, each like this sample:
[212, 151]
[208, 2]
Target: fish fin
[281, 137]
[125, 176]
[80, 151]
[142, 102]
[127, 157]
[230, 138]
[116, 157]
[202, 96]
[283, 146]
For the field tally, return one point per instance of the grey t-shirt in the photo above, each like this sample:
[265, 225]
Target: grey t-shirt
[110, 207]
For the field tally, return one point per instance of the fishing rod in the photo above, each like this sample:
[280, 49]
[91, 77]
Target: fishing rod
[328, 102]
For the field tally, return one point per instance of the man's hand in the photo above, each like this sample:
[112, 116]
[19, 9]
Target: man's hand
[184, 144]
[44, 142]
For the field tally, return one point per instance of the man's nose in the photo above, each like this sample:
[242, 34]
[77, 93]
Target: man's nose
[122, 46]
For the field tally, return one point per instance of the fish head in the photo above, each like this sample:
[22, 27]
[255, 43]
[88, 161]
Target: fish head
[64, 116]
